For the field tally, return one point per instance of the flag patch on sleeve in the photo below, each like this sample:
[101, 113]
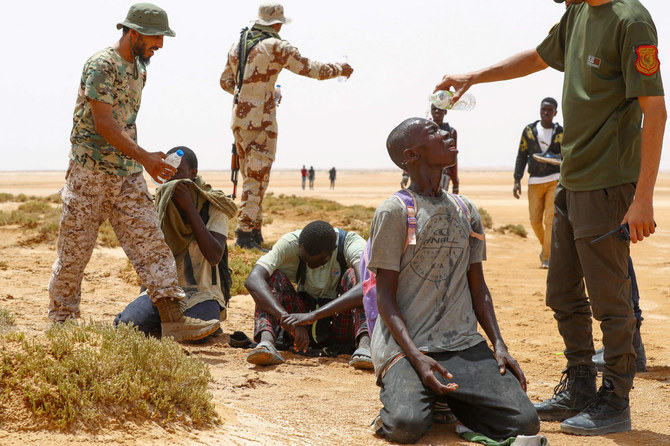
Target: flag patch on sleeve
[647, 62]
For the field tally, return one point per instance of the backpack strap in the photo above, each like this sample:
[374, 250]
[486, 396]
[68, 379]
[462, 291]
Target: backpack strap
[407, 199]
[460, 203]
[302, 268]
[249, 38]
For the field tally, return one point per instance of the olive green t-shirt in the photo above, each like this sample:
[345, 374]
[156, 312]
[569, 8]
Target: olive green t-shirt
[609, 57]
[110, 79]
[319, 282]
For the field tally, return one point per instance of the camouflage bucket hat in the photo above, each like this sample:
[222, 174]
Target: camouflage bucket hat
[271, 12]
[147, 19]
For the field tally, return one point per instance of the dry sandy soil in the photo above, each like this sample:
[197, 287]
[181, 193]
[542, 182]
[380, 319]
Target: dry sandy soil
[324, 401]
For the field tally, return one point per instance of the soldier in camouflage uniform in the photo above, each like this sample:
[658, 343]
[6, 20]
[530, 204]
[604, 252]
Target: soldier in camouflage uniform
[254, 122]
[104, 180]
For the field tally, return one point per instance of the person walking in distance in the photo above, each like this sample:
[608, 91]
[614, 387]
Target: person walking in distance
[540, 141]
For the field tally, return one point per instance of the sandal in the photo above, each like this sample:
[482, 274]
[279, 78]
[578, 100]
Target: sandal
[264, 354]
[361, 359]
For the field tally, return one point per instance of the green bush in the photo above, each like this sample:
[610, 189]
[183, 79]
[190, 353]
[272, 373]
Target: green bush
[86, 374]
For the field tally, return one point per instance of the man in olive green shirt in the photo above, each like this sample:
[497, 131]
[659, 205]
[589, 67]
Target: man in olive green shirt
[608, 52]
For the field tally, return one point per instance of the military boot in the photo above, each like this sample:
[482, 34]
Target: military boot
[245, 239]
[606, 414]
[258, 236]
[180, 327]
[572, 394]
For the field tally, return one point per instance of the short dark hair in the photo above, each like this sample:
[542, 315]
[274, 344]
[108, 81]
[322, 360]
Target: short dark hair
[317, 237]
[551, 101]
[189, 155]
[401, 138]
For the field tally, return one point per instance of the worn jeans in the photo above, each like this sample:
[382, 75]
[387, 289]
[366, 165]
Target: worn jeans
[144, 315]
[485, 401]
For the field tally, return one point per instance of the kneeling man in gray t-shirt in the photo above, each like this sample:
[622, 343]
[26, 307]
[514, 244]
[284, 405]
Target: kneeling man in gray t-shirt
[431, 294]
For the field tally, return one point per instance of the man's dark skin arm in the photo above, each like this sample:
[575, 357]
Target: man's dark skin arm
[211, 244]
[425, 366]
[483, 307]
[353, 298]
[257, 284]
[106, 126]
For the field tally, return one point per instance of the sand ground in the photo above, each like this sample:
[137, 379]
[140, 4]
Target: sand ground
[324, 401]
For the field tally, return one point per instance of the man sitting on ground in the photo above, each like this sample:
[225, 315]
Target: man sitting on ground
[194, 221]
[430, 295]
[327, 308]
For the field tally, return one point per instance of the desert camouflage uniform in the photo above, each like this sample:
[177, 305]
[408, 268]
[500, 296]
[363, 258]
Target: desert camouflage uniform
[254, 120]
[102, 183]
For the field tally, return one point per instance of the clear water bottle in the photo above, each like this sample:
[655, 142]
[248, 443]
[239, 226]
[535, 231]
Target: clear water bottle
[277, 94]
[442, 99]
[173, 159]
[344, 59]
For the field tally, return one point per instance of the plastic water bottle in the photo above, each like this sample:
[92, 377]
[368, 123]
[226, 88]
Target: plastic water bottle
[442, 99]
[344, 59]
[277, 94]
[173, 159]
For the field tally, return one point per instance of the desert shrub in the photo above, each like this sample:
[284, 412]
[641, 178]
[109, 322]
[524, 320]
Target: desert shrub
[514, 229]
[487, 221]
[106, 236]
[7, 319]
[241, 261]
[87, 374]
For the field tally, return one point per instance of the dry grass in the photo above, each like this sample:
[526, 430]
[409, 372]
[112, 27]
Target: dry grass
[86, 375]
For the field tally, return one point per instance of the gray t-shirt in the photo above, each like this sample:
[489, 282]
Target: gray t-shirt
[433, 292]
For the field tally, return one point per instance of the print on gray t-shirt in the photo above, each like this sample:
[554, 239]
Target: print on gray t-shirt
[433, 292]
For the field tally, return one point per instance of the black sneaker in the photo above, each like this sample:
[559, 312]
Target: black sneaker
[607, 414]
[548, 158]
[572, 394]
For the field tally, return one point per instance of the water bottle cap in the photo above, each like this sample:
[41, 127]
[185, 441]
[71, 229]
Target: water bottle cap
[278, 86]
[180, 152]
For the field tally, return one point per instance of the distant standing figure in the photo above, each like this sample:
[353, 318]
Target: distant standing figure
[542, 137]
[303, 174]
[332, 174]
[250, 76]
[311, 177]
[450, 172]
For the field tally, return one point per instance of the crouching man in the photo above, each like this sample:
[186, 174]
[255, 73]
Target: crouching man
[194, 220]
[326, 309]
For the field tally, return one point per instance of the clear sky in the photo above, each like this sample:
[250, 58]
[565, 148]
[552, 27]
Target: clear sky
[399, 51]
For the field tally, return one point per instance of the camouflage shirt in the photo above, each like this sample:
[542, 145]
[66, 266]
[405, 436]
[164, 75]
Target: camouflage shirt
[107, 78]
[255, 109]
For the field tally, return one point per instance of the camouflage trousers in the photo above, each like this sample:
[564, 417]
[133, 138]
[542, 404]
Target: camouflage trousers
[256, 149]
[90, 198]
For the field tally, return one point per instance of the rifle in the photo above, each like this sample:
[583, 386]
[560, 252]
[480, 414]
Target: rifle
[234, 169]
[622, 233]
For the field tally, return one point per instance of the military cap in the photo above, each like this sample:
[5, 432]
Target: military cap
[147, 19]
[271, 12]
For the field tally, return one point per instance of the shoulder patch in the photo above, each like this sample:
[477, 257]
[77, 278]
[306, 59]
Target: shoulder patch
[647, 62]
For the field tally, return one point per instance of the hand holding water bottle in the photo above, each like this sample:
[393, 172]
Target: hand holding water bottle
[444, 99]
[174, 160]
